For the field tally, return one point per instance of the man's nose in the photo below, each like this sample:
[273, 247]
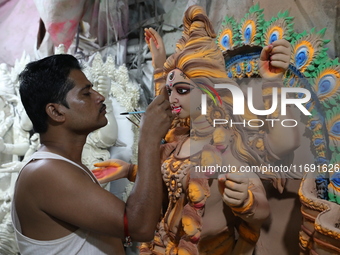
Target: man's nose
[100, 97]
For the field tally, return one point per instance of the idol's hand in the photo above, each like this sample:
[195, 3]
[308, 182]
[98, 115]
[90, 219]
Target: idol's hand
[104, 85]
[110, 170]
[11, 167]
[156, 46]
[234, 188]
[274, 60]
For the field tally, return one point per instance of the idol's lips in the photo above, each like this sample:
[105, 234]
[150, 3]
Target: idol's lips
[176, 109]
[221, 146]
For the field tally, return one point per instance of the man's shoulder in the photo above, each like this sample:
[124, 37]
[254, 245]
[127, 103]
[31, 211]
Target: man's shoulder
[49, 170]
[48, 180]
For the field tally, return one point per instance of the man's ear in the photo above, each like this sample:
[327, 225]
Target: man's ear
[55, 112]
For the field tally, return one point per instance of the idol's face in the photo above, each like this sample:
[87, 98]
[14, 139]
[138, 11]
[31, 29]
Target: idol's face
[182, 251]
[190, 227]
[222, 138]
[196, 193]
[184, 95]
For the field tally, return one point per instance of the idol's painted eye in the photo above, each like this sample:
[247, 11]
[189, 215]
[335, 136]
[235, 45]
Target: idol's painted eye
[172, 76]
[182, 91]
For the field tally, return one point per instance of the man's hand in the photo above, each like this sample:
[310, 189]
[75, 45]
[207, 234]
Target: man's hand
[274, 60]
[156, 46]
[234, 188]
[157, 118]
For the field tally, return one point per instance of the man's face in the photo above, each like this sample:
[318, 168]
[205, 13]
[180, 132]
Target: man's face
[86, 109]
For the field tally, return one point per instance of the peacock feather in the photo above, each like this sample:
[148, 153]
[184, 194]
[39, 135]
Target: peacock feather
[228, 36]
[333, 127]
[327, 82]
[280, 27]
[251, 27]
[308, 50]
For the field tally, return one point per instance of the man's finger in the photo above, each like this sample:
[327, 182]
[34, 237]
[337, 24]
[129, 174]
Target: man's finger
[163, 91]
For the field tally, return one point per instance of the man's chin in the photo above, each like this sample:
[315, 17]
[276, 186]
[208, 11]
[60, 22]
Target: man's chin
[105, 123]
[102, 123]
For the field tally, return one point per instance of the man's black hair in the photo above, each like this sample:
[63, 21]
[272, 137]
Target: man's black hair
[46, 81]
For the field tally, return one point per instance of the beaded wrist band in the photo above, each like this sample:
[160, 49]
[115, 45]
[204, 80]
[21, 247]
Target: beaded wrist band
[132, 172]
[245, 208]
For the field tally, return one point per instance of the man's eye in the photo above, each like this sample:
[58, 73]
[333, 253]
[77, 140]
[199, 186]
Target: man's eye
[87, 94]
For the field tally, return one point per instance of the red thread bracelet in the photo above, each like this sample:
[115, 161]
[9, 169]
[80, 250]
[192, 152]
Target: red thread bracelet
[128, 242]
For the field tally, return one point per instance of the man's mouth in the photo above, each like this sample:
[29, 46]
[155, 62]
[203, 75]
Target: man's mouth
[176, 109]
[103, 108]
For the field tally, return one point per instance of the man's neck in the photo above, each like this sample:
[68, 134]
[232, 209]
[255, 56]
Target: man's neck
[70, 148]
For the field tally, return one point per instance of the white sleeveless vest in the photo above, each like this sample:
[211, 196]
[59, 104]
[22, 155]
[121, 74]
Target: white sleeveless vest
[79, 242]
